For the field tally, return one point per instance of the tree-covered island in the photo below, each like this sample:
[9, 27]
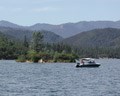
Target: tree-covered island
[38, 51]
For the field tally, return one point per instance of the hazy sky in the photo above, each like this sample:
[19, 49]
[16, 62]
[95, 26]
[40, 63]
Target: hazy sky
[28, 12]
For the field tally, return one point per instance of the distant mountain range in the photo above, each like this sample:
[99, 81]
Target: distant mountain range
[85, 34]
[108, 37]
[19, 33]
[66, 30]
[4, 23]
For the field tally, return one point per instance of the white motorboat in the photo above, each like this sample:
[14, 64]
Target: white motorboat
[87, 62]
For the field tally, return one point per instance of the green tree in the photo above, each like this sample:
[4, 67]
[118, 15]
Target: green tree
[33, 56]
[25, 42]
[37, 41]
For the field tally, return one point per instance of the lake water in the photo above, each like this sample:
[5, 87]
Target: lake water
[59, 79]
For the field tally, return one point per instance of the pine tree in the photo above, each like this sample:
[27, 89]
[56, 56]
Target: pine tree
[25, 42]
[37, 41]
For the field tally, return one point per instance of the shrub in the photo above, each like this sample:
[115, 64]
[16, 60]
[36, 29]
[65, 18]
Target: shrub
[21, 58]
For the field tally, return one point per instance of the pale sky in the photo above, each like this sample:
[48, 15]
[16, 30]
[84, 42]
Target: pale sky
[29, 12]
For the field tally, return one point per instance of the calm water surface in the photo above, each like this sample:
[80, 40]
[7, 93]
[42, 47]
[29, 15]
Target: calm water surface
[24, 79]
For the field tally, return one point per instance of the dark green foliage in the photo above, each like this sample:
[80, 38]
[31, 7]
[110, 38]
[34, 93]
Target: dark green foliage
[37, 41]
[21, 58]
[51, 53]
[97, 52]
[64, 57]
[108, 37]
[45, 56]
[25, 42]
[32, 55]
[35, 59]
[10, 49]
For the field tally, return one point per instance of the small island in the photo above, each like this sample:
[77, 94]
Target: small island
[38, 51]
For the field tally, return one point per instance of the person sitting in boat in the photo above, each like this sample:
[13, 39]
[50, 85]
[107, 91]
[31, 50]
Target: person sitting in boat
[90, 61]
[78, 64]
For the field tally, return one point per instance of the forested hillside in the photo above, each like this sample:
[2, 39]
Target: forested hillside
[108, 37]
[36, 49]
[20, 34]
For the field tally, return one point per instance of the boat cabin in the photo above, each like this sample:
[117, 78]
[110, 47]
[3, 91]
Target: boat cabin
[87, 61]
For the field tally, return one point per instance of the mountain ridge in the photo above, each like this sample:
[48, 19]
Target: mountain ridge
[19, 34]
[66, 29]
[107, 37]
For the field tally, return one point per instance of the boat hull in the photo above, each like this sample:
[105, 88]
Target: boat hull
[89, 65]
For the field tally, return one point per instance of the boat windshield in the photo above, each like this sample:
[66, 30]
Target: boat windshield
[87, 60]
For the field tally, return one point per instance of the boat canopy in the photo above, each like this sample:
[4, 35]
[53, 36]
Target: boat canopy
[87, 59]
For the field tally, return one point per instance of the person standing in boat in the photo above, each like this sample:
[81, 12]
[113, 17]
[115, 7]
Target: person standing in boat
[82, 62]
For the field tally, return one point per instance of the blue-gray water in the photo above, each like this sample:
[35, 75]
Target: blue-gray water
[23, 79]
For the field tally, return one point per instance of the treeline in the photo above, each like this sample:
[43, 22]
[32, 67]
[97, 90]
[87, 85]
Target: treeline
[38, 51]
[10, 49]
[99, 52]
[59, 52]
[34, 50]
